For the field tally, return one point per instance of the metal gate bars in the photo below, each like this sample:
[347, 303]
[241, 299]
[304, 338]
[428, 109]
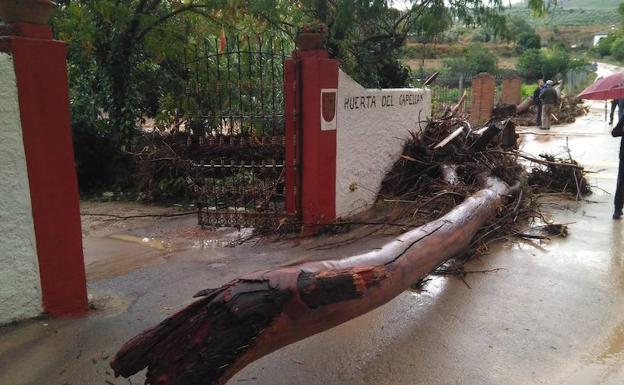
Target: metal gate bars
[234, 101]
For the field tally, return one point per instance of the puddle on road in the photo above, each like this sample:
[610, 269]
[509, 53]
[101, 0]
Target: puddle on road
[613, 346]
[211, 240]
[211, 243]
[153, 243]
[108, 304]
[118, 254]
[604, 365]
[431, 288]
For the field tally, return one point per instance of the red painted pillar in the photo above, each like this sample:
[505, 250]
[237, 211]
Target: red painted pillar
[291, 125]
[318, 74]
[41, 75]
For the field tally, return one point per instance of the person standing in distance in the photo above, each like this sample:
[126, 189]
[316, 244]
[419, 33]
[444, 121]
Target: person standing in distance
[549, 98]
[538, 102]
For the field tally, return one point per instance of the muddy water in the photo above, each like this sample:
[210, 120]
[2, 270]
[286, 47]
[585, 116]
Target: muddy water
[117, 254]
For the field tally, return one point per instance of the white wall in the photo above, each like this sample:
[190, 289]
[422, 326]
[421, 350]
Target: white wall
[20, 289]
[598, 37]
[372, 126]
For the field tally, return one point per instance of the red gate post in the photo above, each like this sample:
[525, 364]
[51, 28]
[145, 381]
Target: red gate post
[317, 142]
[42, 89]
[291, 116]
[483, 90]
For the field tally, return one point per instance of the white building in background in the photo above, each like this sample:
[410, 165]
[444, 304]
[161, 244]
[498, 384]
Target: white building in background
[598, 37]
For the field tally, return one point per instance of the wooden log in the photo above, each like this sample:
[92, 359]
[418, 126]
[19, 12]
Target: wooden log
[249, 317]
[525, 105]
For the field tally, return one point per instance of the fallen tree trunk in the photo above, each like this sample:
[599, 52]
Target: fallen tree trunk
[212, 339]
[525, 105]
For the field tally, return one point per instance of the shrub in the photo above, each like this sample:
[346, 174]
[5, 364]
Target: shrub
[528, 40]
[481, 36]
[617, 49]
[530, 64]
[604, 45]
[556, 62]
[547, 64]
[476, 59]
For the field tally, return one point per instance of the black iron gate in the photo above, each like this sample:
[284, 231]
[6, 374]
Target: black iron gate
[234, 103]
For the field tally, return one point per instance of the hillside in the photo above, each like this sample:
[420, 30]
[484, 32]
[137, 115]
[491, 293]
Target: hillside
[582, 4]
[567, 16]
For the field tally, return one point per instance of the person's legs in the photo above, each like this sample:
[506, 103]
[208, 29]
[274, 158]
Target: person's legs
[619, 192]
[546, 109]
[538, 120]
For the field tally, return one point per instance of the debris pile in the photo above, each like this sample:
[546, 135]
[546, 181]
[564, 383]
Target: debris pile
[559, 175]
[435, 174]
[568, 110]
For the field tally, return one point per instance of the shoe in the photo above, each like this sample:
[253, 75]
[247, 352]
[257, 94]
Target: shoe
[618, 214]
[544, 128]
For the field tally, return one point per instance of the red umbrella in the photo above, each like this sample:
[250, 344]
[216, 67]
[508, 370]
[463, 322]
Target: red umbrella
[610, 87]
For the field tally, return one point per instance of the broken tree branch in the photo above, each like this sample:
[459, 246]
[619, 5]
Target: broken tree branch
[249, 317]
[459, 104]
[452, 136]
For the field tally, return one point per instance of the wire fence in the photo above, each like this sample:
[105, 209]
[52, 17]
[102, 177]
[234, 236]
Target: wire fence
[577, 80]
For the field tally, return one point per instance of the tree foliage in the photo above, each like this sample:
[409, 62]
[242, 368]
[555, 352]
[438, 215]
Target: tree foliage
[617, 49]
[604, 45]
[528, 40]
[125, 58]
[476, 59]
[547, 63]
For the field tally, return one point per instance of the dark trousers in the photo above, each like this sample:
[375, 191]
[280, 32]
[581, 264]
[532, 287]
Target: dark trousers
[619, 191]
[538, 121]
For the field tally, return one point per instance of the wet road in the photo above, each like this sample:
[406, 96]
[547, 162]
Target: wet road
[553, 313]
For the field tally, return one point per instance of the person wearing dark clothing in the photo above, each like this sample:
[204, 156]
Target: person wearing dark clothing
[618, 201]
[619, 104]
[538, 102]
[549, 98]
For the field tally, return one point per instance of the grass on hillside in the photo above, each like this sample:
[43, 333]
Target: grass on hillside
[591, 4]
[569, 17]
[437, 64]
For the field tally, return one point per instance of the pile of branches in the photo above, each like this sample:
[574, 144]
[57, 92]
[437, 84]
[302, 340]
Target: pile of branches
[163, 168]
[568, 110]
[559, 175]
[446, 163]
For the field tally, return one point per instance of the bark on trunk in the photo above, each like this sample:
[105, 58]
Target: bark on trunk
[234, 325]
[525, 105]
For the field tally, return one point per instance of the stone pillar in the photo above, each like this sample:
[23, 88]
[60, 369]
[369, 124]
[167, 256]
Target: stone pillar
[512, 93]
[483, 89]
[42, 242]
